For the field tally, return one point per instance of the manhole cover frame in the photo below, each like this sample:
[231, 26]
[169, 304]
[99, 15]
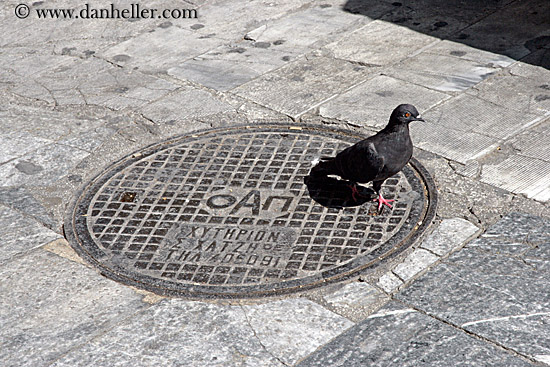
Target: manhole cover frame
[350, 269]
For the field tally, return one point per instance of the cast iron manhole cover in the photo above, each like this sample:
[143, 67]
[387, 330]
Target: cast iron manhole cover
[232, 213]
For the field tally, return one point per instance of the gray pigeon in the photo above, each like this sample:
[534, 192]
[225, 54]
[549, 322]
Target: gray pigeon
[375, 158]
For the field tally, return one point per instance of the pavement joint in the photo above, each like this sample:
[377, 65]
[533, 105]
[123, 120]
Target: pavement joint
[259, 340]
[472, 334]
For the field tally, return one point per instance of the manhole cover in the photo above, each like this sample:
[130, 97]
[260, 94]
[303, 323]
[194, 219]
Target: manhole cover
[227, 213]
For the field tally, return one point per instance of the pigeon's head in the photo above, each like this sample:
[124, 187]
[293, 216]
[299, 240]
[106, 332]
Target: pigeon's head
[405, 113]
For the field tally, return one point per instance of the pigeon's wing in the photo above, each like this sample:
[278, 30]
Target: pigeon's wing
[360, 162]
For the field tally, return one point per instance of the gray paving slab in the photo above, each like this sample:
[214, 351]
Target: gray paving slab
[45, 165]
[512, 91]
[304, 84]
[457, 145]
[397, 335]
[494, 32]
[449, 235]
[293, 328]
[17, 143]
[445, 73]
[535, 142]
[372, 102]
[465, 52]
[184, 104]
[227, 67]
[379, 43]
[92, 82]
[89, 140]
[306, 30]
[466, 127]
[489, 289]
[389, 282]
[414, 263]
[232, 20]
[520, 174]
[49, 305]
[37, 126]
[19, 233]
[183, 333]
[540, 240]
[266, 47]
[22, 200]
[75, 36]
[439, 18]
[159, 50]
[354, 300]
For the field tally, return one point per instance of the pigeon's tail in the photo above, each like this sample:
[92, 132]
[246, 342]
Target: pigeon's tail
[327, 166]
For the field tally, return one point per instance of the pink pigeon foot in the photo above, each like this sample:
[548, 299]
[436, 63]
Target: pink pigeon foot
[354, 192]
[382, 201]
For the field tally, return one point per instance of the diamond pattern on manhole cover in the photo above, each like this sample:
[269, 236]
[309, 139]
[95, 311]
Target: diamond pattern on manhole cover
[233, 213]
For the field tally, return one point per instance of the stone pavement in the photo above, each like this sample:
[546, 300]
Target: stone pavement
[77, 94]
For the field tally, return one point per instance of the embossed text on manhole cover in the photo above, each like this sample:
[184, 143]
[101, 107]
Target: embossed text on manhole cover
[232, 213]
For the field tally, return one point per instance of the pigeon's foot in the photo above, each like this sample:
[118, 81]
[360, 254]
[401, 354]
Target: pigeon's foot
[355, 192]
[382, 201]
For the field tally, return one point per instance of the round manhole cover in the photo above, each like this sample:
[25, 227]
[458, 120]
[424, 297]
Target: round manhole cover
[232, 213]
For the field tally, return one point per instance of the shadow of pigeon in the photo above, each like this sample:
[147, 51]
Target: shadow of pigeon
[331, 192]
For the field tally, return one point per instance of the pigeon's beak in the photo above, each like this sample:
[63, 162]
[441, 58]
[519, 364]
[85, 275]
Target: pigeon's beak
[419, 118]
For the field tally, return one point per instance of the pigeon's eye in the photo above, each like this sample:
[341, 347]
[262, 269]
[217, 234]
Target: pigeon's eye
[407, 114]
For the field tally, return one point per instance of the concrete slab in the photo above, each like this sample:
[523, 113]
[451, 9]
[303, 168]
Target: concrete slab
[15, 144]
[40, 125]
[514, 39]
[20, 233]
[46, 165]
[227, 67]
[195, 333]
[304, 84]
[449, 235]
[466, 127]
[414, 263]
[21, 199]
[291, 329]
[438, 18]
[521, 175]
[400, 335]
[490, 293]
[515, 92]
[92, 82]
[159, 50]
[355, 300]
[379, 43]
[441, 72]
[230, 21]
[389, 282]
[80, 37]
[524, 225]
[535, 142]
[182, 104]
[463, 51]
[306, 30]
[50, 305]
[371, 103]
[525, 70]
[456, 145]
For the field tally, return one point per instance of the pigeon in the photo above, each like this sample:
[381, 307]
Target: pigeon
[375, 158]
